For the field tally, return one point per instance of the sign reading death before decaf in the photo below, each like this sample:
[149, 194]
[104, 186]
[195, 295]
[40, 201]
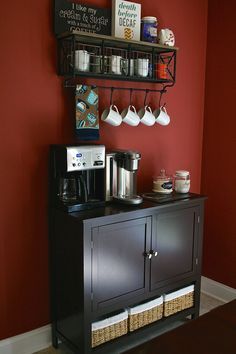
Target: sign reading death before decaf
[126, 19]
[70, 16]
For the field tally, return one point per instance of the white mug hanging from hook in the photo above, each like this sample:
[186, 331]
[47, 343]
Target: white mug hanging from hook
[111, 114]
[129, 114]
[145, 113]
[160, 114]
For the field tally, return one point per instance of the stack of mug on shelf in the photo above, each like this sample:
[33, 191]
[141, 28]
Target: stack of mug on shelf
[113, 64]
[133, 117]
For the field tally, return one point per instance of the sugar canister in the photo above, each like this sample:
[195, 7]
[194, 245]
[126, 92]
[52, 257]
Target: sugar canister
[162, 183]
[182, 181]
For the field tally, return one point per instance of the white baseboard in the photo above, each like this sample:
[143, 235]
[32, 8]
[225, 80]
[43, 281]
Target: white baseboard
[27, 343]
[217, 290]
[39, 339]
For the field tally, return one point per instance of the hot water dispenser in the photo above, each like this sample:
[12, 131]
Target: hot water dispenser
[121, 176]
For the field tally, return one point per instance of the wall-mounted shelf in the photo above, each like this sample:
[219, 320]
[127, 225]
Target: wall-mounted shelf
[114, 58]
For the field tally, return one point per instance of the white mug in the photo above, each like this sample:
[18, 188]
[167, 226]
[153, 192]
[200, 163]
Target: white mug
[161, 116]
[141, 67]
[82, 60]
[146, 116]
[130, 116]
[112, 116]
[116, 64]
[131, 67]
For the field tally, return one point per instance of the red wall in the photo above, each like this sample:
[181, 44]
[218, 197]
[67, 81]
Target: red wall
[219, 162]
[36, 111]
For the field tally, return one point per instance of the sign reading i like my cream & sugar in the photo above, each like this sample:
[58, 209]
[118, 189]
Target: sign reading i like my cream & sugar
[126, 19]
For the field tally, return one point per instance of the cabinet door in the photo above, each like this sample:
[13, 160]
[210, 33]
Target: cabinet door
[118, 262]
[174, 239]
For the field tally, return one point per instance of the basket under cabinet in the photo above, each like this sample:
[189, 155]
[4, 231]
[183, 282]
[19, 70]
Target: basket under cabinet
[133, 318]
[90, 55]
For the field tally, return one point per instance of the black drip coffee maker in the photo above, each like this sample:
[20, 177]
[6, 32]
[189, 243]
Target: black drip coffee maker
[77, 176]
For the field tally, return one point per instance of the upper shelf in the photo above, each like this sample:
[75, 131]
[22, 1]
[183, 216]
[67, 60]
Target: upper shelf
[93, 38]
[99, 56]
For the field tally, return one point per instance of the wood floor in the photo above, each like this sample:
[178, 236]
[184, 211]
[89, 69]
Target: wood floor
[207, 303]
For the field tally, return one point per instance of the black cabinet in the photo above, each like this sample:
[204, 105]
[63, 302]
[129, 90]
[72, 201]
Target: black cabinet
[119, 269]
[174, 240]
[107, 259]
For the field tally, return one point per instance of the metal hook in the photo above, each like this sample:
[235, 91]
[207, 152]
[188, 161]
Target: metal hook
[145, 99]
[161, 93]
[111, 97]
[130, 95]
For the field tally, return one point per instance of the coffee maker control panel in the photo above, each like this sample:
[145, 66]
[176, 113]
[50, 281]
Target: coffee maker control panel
[87, 157]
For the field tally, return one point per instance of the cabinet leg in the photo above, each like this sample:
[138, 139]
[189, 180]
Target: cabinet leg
[195, 315]
[55, 342]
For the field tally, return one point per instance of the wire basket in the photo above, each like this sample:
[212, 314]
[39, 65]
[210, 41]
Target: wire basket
[110, 328]
[142, 315]
[178, 300]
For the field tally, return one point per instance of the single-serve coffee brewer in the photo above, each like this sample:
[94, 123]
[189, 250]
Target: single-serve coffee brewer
[77, 176]
[121, 176]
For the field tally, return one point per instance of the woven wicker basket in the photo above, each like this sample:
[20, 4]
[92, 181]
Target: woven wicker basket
[178, 300]
[142, 315]
[110, 328]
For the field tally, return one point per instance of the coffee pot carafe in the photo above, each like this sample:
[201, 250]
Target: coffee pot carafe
[73, 189]
[121, 176]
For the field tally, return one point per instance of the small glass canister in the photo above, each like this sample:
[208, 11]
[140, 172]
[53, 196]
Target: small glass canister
[182, 181]
[162, 183]
[149, 29]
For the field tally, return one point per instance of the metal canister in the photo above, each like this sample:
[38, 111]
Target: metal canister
[149, 29]
[96, 64]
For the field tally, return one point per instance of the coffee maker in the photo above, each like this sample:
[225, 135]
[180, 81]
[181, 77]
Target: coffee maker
[77, 176]
[121, 176]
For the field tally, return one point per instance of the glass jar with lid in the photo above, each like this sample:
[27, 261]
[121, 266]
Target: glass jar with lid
[162, 183]
[182, 181]
[149, 29]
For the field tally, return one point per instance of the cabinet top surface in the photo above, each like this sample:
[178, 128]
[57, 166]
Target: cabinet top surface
[115, 208]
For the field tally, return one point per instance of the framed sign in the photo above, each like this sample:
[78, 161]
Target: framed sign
[126, 19]
[69, 16]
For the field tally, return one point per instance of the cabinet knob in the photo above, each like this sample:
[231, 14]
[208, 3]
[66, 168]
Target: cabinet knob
[150, 254]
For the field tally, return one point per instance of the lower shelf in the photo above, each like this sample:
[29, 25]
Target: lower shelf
[144, 334]
[144, 314]
[133, 339]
